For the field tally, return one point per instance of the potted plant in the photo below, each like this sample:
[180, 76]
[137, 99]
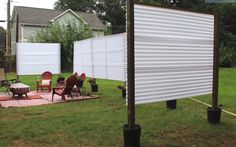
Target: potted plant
[80, 82]
[123, 90]
[60, 81]
[94, 85]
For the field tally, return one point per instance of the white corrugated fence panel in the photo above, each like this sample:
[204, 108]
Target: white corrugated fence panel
[102, 57]
[36, 58]
[173, 53]
[99, 57]
[116, 57]
[77, 60]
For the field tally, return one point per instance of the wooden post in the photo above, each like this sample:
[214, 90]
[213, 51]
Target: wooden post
[8, 37]
[215, 64]
[17, 38]
[17, 28]
[130, 63]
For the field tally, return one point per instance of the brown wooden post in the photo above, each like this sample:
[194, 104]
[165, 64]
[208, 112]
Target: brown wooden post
[215, 64]
[8, 38]
[132, 131]
[130, 63]
[17, 28]
[17, 38]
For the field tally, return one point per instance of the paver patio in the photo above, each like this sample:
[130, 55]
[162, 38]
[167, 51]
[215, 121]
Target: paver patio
[44, 99]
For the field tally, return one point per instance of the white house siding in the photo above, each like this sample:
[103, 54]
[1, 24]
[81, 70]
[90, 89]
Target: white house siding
[68, 17]
[13, 39]
[24, 33]
[97, 33]
[29, 31]
[13, 36]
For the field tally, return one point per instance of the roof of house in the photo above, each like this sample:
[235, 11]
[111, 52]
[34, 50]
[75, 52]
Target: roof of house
[41, 16]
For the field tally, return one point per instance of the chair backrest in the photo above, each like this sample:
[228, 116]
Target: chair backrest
[47, 75]
[2, 74]
[83, 76]
[70, 83]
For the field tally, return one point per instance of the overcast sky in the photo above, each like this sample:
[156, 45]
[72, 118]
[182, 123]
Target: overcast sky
[29, 3]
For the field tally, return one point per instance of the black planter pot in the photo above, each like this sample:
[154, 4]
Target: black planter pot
[60, 79]
[79, 83]
[94, 88]
[171, 104]
[132, 136]
[213, 116]
[124, 94]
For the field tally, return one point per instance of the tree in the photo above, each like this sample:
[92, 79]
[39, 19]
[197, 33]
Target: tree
[112, 11]
[66, 35]
[2, 43]
[76, 5]
[2, 38]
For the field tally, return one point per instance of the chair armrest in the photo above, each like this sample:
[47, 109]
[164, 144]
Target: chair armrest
[4, 82]
[14, 81]
[56, 88]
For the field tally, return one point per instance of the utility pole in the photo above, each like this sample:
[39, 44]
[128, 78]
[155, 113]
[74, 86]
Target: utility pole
[8, 34]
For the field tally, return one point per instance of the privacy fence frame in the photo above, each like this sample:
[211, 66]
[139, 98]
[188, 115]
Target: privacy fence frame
[173, 54]
[130, 129]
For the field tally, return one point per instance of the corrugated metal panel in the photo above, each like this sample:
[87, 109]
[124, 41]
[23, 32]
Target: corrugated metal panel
[36, 58]
[173, 53]
[82, 57]
[102, 57]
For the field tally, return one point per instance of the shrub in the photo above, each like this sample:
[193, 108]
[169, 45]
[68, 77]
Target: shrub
[227, 56]
[66, 35]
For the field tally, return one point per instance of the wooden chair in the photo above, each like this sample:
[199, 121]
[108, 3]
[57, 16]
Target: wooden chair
[45, 81]
[3, 80]
[67, 90]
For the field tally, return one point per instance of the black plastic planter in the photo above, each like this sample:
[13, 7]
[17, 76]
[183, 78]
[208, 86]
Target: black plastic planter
[171, 104]
[80, 83]
[213, 116]
[132, 136]
[94, 88]
[124, 94]
[60, 79]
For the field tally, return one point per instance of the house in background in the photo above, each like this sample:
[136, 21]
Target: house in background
[32, 20]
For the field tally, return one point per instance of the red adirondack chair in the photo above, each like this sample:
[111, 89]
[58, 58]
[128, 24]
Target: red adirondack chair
[67, 90]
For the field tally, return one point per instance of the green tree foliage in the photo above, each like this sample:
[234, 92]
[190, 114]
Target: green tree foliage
[227, 56]
[66, 35]
[2, 43]
[112, 11]
[2, 37]
[77, 5]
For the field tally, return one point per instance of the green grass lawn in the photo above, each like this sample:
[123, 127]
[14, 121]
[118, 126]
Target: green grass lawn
[99, 122]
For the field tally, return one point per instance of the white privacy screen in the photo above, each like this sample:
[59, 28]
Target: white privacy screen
[173, 53]
[102, 57]
[36, 58]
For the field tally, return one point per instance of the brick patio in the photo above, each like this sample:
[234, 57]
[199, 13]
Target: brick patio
[46, 98]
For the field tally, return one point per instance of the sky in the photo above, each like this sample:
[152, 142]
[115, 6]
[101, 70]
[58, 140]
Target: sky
[29, 3]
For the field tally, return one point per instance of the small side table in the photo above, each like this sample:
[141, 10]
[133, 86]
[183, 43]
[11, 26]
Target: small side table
[19, 89]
